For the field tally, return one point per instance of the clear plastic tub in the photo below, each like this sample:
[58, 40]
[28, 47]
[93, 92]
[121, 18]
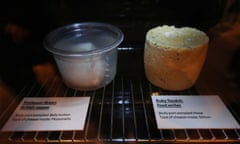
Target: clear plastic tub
[85, 53]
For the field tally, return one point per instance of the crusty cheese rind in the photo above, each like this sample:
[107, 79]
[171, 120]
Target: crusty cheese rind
[170, 64]
[172, 37]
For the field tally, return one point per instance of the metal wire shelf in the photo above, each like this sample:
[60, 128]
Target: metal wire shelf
[119, 112]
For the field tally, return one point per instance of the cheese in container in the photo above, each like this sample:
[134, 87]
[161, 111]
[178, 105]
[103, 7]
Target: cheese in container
[85, 53]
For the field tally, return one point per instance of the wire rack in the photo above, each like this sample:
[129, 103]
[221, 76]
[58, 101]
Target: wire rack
[121, 112]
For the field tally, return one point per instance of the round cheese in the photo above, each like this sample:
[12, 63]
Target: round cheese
[173, 57]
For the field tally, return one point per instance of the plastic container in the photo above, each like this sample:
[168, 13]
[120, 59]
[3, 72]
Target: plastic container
[85, 53]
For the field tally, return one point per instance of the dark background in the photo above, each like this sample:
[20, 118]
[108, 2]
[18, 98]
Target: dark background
[25, 23]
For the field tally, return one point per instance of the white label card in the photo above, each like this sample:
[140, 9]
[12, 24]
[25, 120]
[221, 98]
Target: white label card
[49, 114]
[192, 112]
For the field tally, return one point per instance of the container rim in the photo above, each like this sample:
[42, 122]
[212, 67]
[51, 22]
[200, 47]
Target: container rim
[49, 45]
